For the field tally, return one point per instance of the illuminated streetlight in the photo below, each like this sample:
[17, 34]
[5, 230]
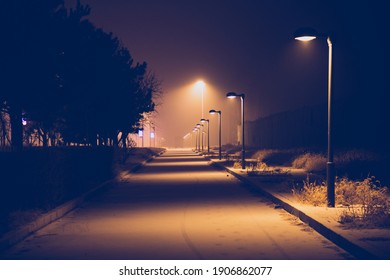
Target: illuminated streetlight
[212, 111]
[196, 138]
[201, 131]
[308, 34]
[242, 96]
[201, 86]
[200, 135]
[208, 133]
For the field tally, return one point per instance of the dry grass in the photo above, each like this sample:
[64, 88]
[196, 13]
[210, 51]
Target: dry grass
[316, 162]
[310, 162]
[366, 203]
[237, 164]
[311, 193]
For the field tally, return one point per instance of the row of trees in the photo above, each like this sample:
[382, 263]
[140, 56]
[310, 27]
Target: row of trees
[67, 77]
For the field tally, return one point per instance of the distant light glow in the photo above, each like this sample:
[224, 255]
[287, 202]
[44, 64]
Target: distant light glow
[140, 133]
[24, 121]
[305, 38]
[152, 135]
[200, 84]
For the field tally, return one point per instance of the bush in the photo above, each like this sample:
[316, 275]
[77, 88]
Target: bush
[311, 193]
[367, 202]
[315, 162]
[276, 157]
[310, 162]
[237, 165]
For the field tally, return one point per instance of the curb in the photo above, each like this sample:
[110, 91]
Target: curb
[336, 238]
[13, 237]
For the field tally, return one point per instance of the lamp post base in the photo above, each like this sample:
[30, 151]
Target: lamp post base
[330, 181]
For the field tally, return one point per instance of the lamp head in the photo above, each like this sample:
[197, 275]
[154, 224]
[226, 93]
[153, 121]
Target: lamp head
[202, 120]
[212, 112]
[231, 95]
[305, 34]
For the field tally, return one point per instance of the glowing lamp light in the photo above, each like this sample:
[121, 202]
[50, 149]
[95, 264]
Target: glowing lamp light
[305, 34]
[24, 121]
[305, 38]
[200, 84]
[212, 112]
[152, 134]
[140, 133]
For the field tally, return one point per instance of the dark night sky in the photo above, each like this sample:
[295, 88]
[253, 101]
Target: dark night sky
[247, 46]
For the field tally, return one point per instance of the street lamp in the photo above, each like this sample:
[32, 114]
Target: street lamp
[208, 133]
[308, 34]
[200, 135]
[213, 112]
[196, 137]
[242, 96]
[200, 84]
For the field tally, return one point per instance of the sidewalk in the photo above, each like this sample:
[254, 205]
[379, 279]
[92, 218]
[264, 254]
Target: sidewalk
[362, 243]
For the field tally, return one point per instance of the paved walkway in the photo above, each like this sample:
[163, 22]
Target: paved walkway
[177, 207]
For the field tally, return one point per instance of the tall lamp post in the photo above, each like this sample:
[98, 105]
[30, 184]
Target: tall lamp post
[201, 131]
[208, 133]
[305, 35]
[212, 111]
[201, 85]
[242, 96]
[198, 125]
[195, 130]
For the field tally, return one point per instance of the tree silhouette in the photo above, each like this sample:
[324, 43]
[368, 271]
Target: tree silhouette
[25, 57]
[70, 77]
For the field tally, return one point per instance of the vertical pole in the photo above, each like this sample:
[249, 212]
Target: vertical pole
[330, 174]
[199, 139]
[243, 135]
[196, 140]
[143, 136]
[154, 136]
[202, 126]
[208, 136]
[202, 102]
[150, 135]
[220, 133]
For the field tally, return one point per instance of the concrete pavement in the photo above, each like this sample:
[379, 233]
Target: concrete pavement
[177, 207]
